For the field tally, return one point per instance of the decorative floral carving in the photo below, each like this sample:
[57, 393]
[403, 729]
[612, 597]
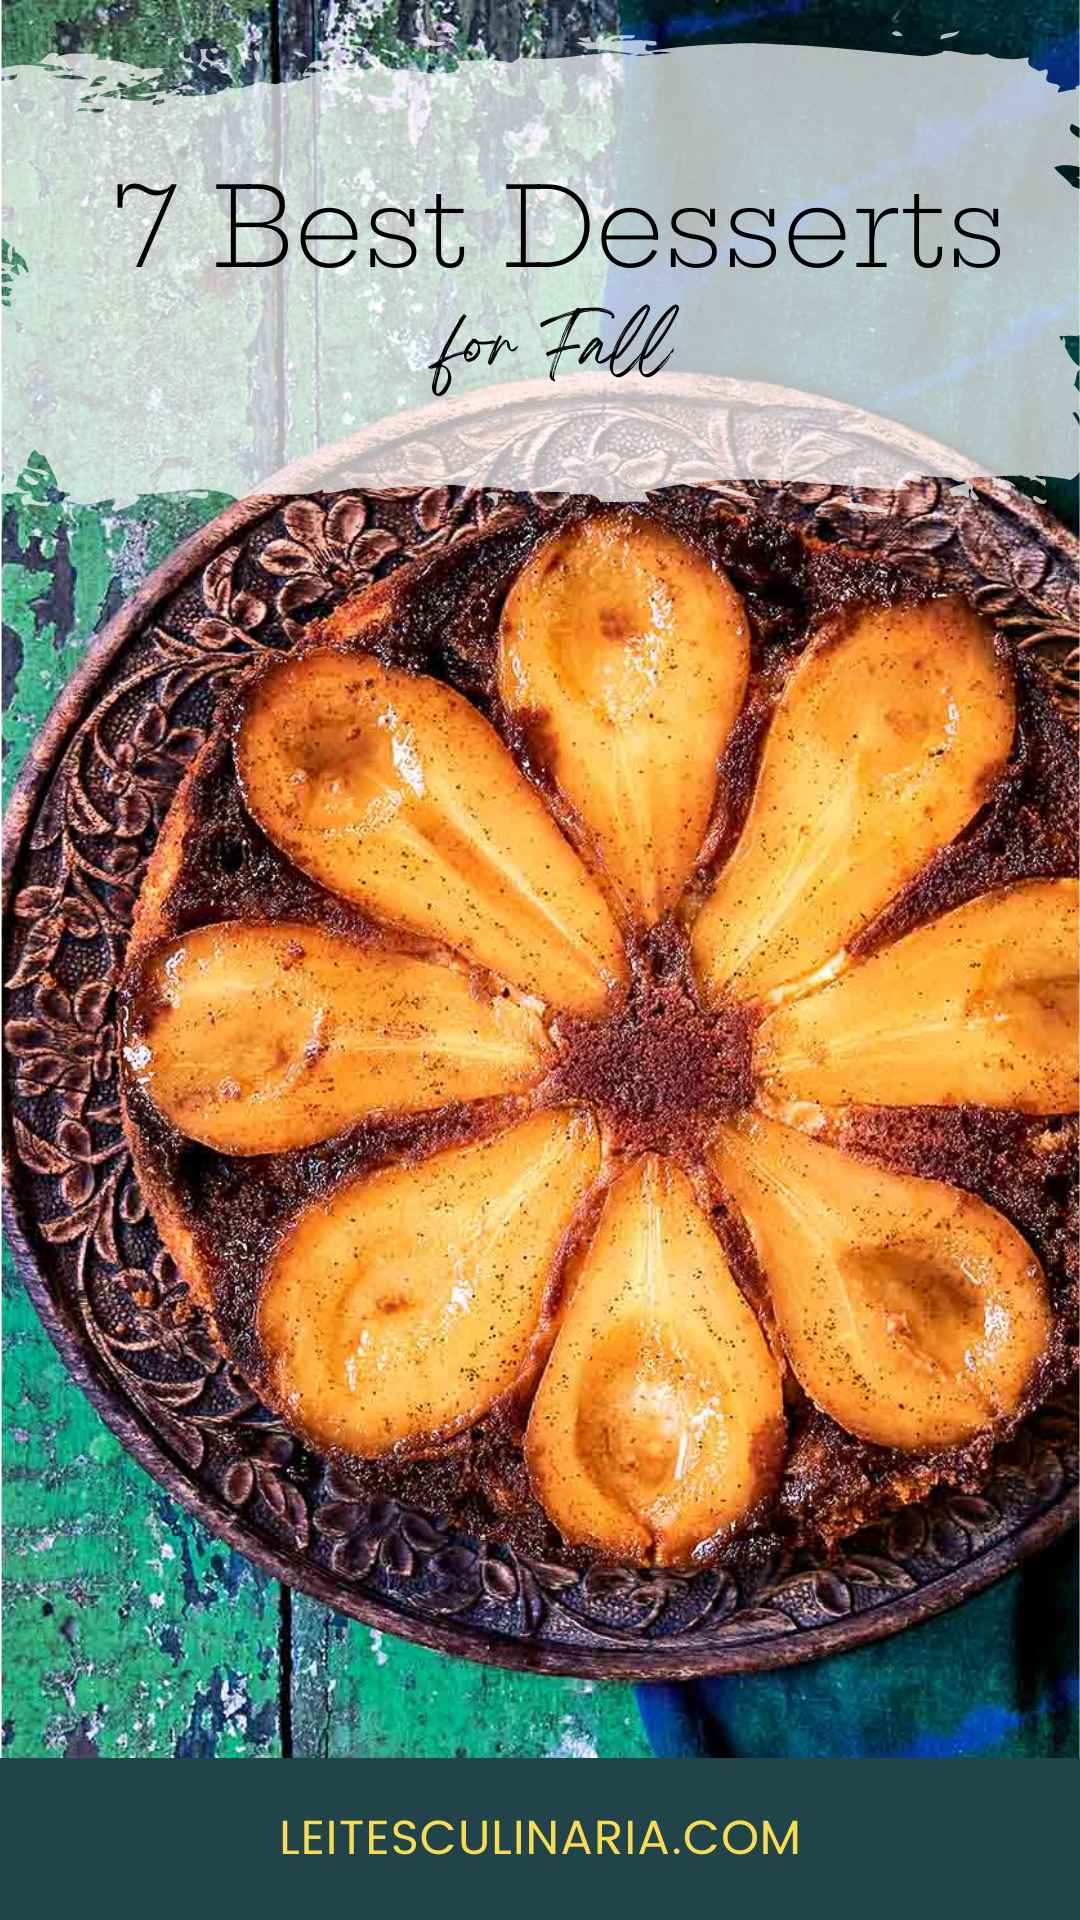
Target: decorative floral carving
[325, 551]
[92, 810]
[269, 1469]
[235, 614]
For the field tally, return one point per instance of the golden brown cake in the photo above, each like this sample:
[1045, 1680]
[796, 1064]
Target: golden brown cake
[600, 1033]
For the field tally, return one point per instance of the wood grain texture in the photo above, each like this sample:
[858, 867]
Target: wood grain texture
[438, 32]
[360, 1693]
[129, 1631]
[196, 45]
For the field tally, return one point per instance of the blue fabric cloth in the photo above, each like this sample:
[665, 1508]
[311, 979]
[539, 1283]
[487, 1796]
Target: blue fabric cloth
[997, 1677]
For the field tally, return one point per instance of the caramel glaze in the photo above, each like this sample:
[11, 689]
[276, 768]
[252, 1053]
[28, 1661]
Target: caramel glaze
[660, 1068]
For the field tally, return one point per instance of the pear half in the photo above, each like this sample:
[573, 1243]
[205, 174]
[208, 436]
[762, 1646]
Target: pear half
[658, 1422]
[979, 1005]
[390, 789]
[401, 1308]
[255, 1037]
[628, 652]
[913, 1313]
[886, 740]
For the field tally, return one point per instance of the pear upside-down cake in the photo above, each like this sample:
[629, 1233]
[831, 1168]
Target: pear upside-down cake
[600, 1033]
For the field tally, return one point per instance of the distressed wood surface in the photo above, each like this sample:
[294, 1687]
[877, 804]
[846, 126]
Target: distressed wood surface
[361, 1693]
[200, 45]
[197, 45]
[128, 1630]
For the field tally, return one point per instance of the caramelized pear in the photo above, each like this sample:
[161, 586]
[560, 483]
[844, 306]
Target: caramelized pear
[885, 742]
[658, 1421]
[255, 1038]
[627, 653]
[390, 789]
[980, 1005]
[401, 1308]
[914, 1314]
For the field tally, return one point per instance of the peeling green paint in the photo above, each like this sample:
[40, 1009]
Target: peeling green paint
[128, 1630]
[191, 44]
[67, 568]
[360, 1693]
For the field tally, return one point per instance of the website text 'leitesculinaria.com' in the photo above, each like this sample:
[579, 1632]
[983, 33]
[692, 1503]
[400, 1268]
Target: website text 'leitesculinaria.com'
[520, 1837]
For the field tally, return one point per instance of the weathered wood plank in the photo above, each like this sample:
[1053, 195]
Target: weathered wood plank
[572, 26]
[437, 32]
[363, 1694]
[129, 1631]
[197, 45]
[204, 44]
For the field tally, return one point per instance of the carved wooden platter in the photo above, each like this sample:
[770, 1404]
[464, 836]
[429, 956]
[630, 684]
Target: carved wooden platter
[82, 821]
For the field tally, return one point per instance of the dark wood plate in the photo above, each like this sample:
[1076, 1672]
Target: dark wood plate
[81, 823]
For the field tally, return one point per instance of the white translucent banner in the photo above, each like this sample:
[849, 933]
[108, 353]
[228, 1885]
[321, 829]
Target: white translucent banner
[890, 233]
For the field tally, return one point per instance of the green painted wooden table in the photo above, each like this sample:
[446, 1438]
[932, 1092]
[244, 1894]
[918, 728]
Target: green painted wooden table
[129, 1631]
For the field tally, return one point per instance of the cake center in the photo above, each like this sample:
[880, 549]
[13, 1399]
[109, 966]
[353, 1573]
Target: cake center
[660, 1064]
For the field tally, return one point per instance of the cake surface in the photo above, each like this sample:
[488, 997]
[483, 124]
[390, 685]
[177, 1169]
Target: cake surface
[599, 1033]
